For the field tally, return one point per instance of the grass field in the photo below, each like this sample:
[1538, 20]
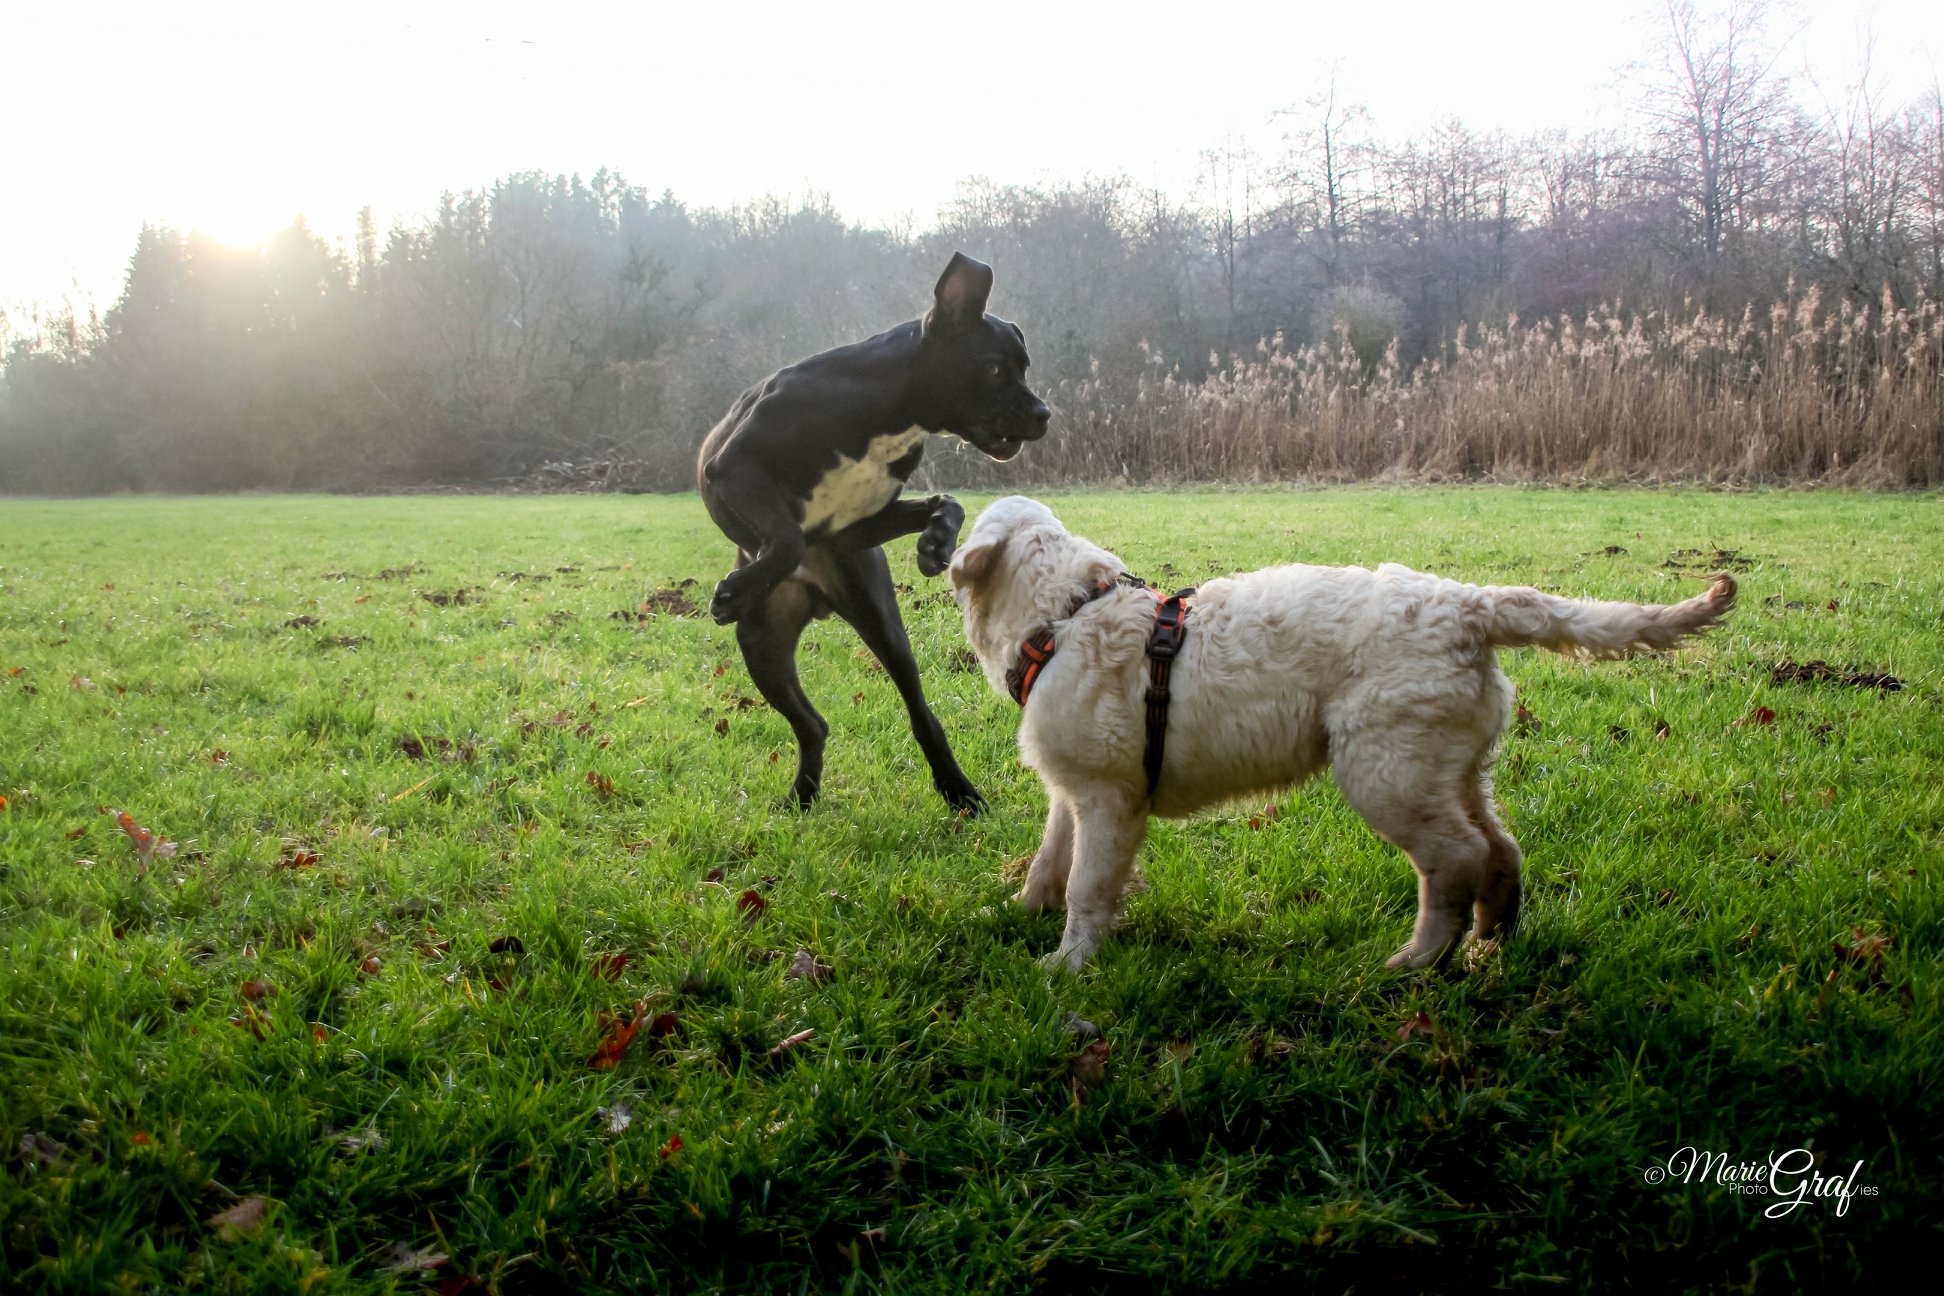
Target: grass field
[444, 821]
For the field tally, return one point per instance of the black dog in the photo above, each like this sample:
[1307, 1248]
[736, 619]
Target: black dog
[804, 472]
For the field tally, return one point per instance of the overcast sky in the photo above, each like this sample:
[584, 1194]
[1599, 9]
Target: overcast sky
[234, 118]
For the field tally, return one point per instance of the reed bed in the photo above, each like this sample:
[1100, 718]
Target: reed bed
[1806, 391]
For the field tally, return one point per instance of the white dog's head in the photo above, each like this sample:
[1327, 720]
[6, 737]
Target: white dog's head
[1017, 571]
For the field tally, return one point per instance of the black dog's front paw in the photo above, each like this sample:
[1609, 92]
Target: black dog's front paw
[732, 601]
[935, 547]
[963, 797]
[940, 536]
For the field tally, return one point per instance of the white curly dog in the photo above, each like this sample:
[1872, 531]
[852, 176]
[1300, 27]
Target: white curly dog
[1388, 677]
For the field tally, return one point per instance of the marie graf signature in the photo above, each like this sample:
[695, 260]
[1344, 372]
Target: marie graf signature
[1791, 1178]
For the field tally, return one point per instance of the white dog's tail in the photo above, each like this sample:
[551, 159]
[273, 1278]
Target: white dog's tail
[1588, 628]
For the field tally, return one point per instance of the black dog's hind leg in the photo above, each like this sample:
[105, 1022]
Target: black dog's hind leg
[768, 637]
[868, 600]
[760, 521]
[935, 521]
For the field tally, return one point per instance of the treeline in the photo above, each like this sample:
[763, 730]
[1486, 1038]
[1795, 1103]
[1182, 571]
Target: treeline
[1732, 287]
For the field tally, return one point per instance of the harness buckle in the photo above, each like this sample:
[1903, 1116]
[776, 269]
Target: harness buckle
[1164, 638]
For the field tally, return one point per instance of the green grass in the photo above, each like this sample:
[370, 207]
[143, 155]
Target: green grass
[1690, 970]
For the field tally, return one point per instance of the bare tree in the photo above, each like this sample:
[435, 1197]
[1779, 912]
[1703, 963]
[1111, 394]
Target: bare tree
[1330, 153]
[1925, 128]
[1864, 170]
[1229, 192]
[1716, 109]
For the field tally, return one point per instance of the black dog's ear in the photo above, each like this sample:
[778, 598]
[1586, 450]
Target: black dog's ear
[960, 297]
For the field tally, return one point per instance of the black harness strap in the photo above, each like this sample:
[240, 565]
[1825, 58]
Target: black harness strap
[1164, 642]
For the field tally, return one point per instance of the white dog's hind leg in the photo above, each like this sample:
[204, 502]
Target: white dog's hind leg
[1107, 834]
[1496, 911]
[1410, 785]
[1451, 857]
[1046, 876]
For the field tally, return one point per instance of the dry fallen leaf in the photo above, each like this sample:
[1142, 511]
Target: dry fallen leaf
[1418, 1021]
[1761, 715]
[791, 1042]
[42, 1149]
[257, 991]
[619, 1035]
[671, 1147]
[804, 967]
[148, 846]
[751, 905]
[615, 1119]
[400, 1258]
[365, 1138]
[610, 966]
[242, 1220]
[1089, 1069]
[1864, 949]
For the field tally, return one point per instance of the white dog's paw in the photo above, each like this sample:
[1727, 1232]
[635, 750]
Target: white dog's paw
[1038, 900]
[1064, 960]
[1413, 957]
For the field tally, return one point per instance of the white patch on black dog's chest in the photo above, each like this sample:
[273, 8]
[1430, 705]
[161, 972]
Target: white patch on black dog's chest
[857, 488]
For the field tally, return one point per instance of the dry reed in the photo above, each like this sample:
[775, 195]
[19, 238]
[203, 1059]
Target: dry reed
[1851, 394]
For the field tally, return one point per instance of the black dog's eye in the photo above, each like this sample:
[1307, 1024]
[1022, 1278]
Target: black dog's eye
[992, 369]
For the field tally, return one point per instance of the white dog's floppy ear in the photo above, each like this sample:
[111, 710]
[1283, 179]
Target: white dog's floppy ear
[970, 564]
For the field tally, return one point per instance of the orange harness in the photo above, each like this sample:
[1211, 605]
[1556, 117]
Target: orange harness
[1170, 627]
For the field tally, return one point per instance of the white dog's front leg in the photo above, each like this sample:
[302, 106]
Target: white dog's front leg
[1046, 876]
[1107, 834]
